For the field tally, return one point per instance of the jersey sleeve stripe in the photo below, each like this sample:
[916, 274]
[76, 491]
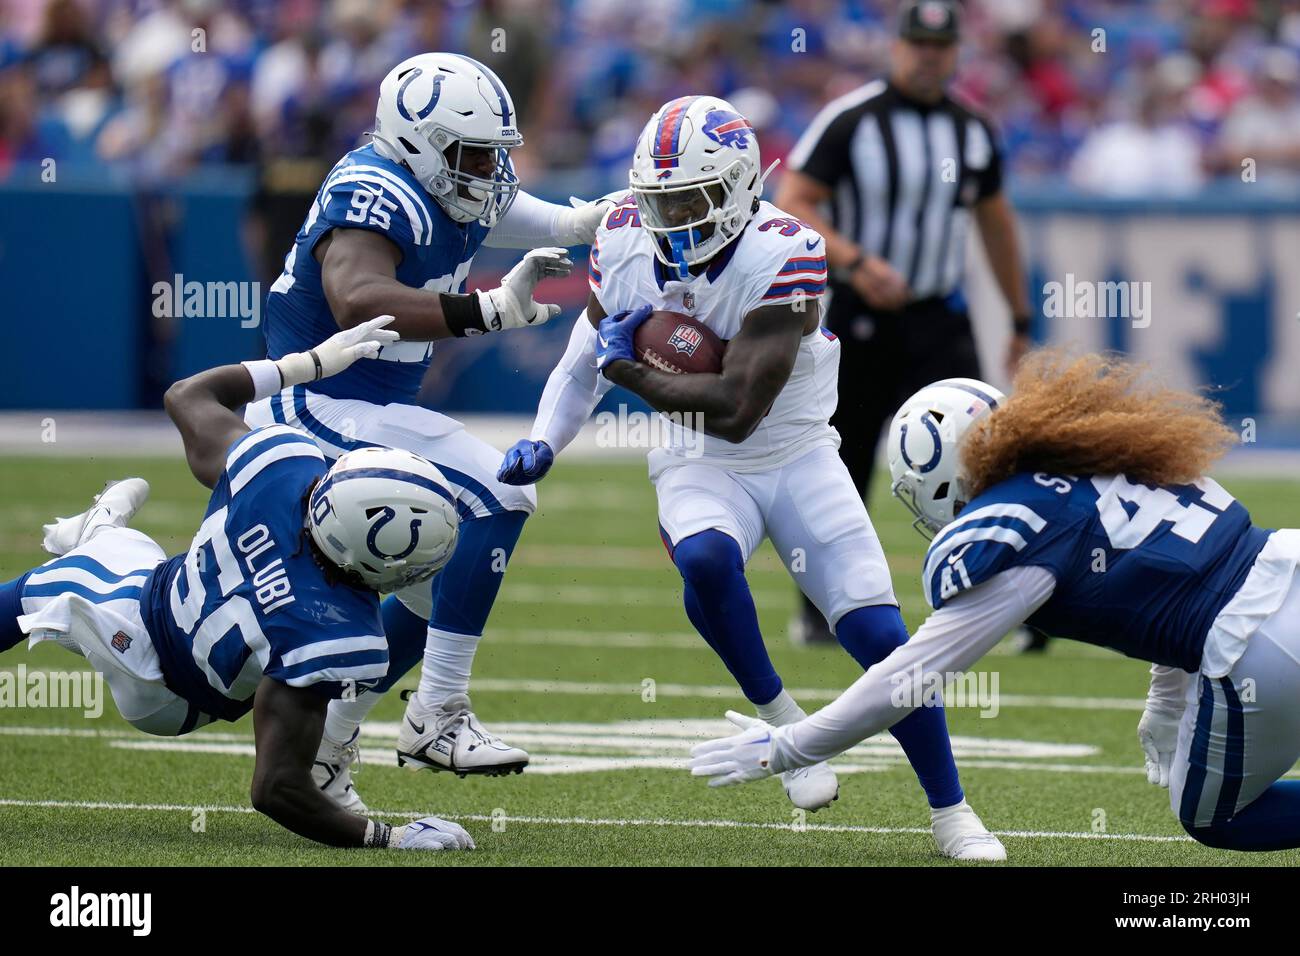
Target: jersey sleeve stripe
[416, 214]
[334, 646]
[784, 290]
[245, 445]
[269, 457]
[999, 533]
[998, 510]
[804, 264]
[416, 196]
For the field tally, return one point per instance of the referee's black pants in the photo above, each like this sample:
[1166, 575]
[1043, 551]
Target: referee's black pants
[884, 358]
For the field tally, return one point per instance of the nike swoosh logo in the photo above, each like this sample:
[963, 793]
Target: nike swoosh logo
[812, 244]
[418, 728]
[767, 738]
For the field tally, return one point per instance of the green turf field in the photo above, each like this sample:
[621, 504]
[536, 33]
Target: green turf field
[589, 614]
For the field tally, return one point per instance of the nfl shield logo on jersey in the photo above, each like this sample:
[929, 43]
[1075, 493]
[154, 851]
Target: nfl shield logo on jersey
[685, 340]
[688, 301]
[121, 642]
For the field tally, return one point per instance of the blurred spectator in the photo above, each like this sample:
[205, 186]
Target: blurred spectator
[158, 86]
[1265, 127]
[1153, 153]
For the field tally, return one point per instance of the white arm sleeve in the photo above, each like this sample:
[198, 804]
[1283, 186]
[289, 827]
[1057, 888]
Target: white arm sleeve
[1168, 690]
[572, 391]
[951, 640]
[532, 223]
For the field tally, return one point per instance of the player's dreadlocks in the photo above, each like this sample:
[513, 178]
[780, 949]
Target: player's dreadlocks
[1094, 414]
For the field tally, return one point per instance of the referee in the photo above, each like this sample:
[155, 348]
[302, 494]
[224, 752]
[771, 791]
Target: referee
[901, 169]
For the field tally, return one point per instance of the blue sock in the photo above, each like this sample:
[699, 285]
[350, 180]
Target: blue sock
[11, 608]
[465, 590]
[1270, 822]
[720, 606]
[405, 632]
[871, 634]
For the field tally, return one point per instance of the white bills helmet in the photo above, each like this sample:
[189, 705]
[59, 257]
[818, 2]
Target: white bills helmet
[386, 515]
[923, 448]
[697, 178]
[434, 106]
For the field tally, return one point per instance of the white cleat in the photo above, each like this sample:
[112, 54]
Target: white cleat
[113, 508]
[811, 788]
[332, 771]
[451, 738]
[961, 835]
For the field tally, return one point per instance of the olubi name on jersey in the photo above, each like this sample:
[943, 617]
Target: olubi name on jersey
[270, 580]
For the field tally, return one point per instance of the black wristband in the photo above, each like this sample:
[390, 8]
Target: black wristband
[320, 370]
[383, 832]
[462, 313]
[1021, 324]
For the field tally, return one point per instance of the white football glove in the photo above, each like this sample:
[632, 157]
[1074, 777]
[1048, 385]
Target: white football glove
[431, 833]
[740, 758]
[336, 353]
[511, 305]
[1158, 735]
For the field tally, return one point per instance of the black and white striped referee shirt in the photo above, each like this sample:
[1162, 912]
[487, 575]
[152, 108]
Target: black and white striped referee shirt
[903, 177]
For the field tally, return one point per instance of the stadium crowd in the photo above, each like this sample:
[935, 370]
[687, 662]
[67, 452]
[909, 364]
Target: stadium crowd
[1127, 97]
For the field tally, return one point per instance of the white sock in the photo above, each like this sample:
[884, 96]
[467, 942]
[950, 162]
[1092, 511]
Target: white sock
[343, 717]
[780, 710]
[448, 657]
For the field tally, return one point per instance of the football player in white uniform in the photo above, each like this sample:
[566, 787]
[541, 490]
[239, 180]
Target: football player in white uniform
[694, 237]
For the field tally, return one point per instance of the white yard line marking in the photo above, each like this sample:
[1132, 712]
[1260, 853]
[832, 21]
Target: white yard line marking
[601, 822]
[523, 685]
[525, 592]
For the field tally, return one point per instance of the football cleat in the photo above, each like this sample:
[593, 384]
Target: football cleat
[113, 508]
[451, 738]
[332, 771]
[961, 835]
[811, 788]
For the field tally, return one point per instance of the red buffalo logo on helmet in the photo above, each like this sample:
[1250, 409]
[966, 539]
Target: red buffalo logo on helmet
[727, 128]
[121, 642]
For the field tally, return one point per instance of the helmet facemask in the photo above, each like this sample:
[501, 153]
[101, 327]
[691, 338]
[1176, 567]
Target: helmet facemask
[464, 195]
[690, 222]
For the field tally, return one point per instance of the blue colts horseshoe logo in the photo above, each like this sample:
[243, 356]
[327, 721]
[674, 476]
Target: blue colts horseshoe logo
[401, 93]
[928, 421]
[385, 516]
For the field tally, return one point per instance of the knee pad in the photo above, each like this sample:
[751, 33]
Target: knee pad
[708, 559]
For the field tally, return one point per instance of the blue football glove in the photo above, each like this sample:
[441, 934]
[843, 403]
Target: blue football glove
[615, 333]
[525, 463]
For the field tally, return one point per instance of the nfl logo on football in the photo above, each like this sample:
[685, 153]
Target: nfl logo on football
[685, 340]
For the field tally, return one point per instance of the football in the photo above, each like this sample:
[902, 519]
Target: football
[677, 343]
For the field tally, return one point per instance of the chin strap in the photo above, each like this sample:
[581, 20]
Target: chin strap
[679, 242]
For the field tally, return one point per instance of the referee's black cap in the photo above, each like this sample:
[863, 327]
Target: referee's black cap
[938, 21]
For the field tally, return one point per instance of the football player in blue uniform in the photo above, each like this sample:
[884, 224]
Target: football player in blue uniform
[1079, 506]
[393, 230]
[273, 608]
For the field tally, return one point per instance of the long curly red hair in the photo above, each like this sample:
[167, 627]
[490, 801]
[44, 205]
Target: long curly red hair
[1094, 414]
